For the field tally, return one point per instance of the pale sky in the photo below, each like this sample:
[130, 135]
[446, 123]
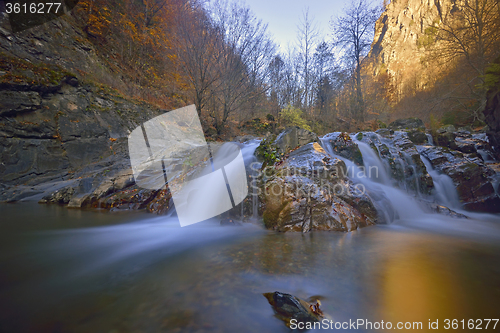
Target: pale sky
[283, 16]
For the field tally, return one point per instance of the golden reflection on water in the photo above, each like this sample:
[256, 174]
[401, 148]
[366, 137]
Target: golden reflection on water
[416, 287]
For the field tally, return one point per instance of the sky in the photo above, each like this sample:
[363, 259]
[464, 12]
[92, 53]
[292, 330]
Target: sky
[283, 16]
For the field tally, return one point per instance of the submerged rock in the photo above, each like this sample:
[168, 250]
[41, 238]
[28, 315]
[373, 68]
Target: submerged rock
[447, 211]
[288, 307]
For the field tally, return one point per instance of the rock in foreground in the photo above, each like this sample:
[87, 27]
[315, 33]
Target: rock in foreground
[288, 307]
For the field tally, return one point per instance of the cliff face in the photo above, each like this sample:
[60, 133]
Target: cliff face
[57, 122]
[403, 34]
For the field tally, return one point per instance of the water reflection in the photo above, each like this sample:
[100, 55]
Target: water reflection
[153, 276]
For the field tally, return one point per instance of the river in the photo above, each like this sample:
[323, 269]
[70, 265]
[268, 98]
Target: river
[64, 270]
[95, 271]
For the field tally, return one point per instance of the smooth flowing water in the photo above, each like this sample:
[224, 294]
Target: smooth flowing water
[67, 270]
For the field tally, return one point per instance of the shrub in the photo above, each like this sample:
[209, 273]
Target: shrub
[291, 116]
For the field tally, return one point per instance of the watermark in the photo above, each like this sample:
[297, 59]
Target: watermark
[323, 179]
[365, 324]
[205, 180]
[26, 14]
[358, 324]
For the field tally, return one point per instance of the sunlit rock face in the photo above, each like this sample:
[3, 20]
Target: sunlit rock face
[403, 34]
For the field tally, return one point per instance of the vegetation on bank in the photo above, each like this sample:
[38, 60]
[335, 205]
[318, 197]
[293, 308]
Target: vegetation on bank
[19, 72]
[219, 56]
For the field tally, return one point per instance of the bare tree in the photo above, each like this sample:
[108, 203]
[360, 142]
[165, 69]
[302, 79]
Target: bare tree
[323, 70]
[353, 35]
[307, 35]
[198, 52]
[276, 82]
[243, 62]
[472, 32]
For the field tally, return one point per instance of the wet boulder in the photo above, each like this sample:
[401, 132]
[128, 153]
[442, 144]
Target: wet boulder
[310, 191]
[417, 136]
[61, 196]
[342, 145]
[445, 137]
[472, 178]
[294, 137]
[408, 123]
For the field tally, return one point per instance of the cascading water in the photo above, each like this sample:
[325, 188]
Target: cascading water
[394, 203]
[372, 161]
[446, 192]
[144, 273]
[430, 141]
[248, 152]
[391, 202]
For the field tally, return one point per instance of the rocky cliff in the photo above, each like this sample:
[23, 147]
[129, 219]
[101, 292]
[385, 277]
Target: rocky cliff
[63, 133]
[403, 34]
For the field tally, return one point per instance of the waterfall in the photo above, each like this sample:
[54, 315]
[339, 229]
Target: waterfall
[393, 203]
[430, 141]
[445, 190]
[248, 152]
[484, 155]
[372, 160]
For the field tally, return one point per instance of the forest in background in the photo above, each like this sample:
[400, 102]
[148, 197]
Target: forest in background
[221, 57]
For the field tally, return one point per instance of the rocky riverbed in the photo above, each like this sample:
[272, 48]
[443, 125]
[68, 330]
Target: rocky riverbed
[303, 182]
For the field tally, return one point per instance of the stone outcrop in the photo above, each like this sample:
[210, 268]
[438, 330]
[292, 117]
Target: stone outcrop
[64, 131]
[66, 142]
[403, 34]
[310, 191]
[294, 137]
[342, 145]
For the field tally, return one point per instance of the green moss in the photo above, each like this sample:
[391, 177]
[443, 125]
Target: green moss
[20, 71]
[358, 157]
[428, 37]
[268, 152]
[492, 76]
